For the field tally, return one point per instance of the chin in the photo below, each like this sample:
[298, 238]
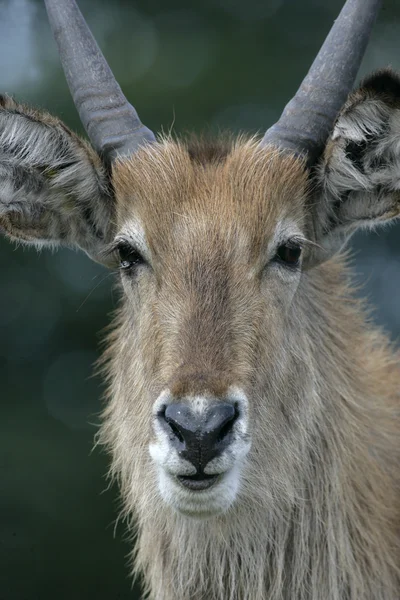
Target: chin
[200, 504]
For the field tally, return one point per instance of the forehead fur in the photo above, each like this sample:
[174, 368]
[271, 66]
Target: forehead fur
[233, 182]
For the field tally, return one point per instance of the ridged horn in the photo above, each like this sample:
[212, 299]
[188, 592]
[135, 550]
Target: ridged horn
[308, 118]
[112, 124]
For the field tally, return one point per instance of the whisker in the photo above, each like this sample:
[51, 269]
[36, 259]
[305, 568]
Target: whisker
[93, 289]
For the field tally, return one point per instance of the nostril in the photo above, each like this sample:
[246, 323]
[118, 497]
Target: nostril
[175, 430]
[161, 412]
[226, 427]
[179, 422]
[219, 423]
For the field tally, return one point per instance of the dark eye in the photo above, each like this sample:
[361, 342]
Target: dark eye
[129, 257]
[289, 254]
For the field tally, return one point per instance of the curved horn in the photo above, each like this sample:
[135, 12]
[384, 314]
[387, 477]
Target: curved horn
[112, 124]
[308, 118]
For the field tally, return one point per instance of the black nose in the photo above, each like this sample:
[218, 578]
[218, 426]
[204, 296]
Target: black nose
[199, 437]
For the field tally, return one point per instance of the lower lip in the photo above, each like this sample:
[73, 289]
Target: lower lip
[197, 484]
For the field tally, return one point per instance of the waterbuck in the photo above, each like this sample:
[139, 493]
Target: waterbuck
[253, 410]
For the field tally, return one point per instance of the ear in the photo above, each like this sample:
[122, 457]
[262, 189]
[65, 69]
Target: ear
[358, 179]
[54, 188]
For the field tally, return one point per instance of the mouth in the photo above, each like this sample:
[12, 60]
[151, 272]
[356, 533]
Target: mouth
[197, 482]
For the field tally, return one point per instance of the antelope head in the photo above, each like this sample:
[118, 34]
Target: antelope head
[216, 245]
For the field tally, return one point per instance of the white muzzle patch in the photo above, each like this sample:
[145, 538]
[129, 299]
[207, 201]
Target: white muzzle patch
[179, 482]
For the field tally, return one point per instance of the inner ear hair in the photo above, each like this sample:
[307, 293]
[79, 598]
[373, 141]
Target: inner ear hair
[362, 152]
[55, 188]
[358, 178]
[366, 117]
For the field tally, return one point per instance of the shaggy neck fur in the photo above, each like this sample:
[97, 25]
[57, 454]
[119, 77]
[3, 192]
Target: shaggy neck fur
[315, 516]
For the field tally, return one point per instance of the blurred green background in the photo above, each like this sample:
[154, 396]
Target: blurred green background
[192, 64]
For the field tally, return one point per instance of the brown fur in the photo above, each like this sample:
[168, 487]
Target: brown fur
[317, 515]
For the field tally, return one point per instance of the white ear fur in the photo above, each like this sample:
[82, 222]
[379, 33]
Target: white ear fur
[358, 179]
[54, 188]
